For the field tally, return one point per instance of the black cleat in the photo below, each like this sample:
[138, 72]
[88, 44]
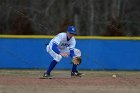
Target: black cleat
[47, 76]
[76, 74]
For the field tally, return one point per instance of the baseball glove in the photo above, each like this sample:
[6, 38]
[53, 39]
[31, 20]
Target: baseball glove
[76, 60]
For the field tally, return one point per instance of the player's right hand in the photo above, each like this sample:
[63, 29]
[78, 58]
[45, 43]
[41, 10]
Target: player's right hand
[64, 54]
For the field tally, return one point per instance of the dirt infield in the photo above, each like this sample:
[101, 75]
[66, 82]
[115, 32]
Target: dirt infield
[27, 81]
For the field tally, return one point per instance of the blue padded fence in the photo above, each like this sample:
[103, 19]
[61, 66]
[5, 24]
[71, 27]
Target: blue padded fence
[97, 54]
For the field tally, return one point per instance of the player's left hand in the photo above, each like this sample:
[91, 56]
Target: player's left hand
[76, 60]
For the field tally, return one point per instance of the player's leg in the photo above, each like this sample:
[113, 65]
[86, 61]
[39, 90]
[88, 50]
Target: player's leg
[56, 59]
[74, 68]
[51, 67]
[74, 71]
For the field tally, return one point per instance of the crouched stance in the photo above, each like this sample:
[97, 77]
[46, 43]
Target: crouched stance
[63, 45]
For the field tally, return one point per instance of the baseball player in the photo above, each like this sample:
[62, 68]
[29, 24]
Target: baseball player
[63, 45]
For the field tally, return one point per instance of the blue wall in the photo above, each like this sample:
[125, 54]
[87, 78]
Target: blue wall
[97, 54]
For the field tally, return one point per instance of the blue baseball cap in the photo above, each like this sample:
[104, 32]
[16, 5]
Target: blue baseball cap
[71, 29]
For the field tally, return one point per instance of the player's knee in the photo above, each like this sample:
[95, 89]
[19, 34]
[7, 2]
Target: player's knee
[77, 52]
[58, 58]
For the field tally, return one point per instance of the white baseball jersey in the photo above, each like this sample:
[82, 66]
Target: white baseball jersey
[64, 45]
[62, 42]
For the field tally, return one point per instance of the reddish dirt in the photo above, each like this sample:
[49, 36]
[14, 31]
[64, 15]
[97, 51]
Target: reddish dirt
[98, 81]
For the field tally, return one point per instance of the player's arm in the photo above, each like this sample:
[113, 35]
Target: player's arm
[76, 56]
[55, 41]
[71, 48]
[56, 50]
[72, 54]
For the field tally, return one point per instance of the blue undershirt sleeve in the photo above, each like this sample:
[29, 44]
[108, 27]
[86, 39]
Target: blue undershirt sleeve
[72, 53]
[55, 48]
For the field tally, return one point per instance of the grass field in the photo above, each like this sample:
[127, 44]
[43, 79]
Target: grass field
[27, 81]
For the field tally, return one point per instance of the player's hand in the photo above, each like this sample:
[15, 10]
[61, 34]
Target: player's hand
[64, 54]
[76, 60]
